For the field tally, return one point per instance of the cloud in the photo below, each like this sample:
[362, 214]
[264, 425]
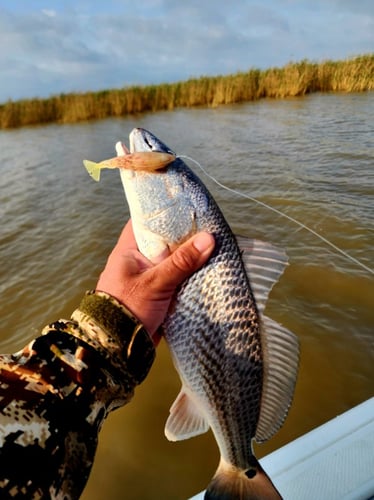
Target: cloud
[49, 12]
[79, 46]
[46, 52]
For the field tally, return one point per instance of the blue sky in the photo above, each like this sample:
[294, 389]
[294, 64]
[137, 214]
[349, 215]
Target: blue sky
[53, 46]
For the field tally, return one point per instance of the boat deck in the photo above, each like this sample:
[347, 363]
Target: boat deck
[332, 462]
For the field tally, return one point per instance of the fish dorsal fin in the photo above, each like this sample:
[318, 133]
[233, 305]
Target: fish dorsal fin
[185, 419]
[264, 264]
[281, 361]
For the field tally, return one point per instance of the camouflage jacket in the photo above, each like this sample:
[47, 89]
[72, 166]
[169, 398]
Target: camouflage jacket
[57, 391]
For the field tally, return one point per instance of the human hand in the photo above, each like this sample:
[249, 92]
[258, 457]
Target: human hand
[146, 289]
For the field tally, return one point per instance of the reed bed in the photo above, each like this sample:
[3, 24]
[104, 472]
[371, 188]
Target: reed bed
[294, 79]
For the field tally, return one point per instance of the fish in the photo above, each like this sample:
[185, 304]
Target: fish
[142, 160]
[238, 368]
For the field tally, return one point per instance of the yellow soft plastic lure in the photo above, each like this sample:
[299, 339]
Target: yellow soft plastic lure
[147, 160]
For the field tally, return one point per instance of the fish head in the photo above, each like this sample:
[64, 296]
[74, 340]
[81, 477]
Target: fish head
[161, 209]
[143, 141]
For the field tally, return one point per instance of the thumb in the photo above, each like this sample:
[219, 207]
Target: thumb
[187, 259]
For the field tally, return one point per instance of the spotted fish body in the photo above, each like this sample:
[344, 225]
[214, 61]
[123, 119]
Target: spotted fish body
[237, 367]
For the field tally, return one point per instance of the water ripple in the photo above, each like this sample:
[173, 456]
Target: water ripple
[311, 158]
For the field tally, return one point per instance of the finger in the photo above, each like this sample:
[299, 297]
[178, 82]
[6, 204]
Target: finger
[163, 255]
[126, 248]
[126, 239]
[187, 259]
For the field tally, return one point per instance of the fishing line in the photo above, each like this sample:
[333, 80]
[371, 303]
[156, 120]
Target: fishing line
[295, 221]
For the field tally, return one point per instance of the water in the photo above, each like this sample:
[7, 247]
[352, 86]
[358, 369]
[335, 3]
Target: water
[311, 158]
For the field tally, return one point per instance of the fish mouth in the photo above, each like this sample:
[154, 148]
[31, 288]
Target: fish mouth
[122, 149]
[142, 141]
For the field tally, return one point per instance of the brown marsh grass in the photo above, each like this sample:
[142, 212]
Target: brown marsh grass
[294, 79]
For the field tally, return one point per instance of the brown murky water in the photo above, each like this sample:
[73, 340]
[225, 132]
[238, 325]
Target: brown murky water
[312, 158]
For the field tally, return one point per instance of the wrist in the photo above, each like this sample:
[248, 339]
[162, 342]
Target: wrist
[109, 324]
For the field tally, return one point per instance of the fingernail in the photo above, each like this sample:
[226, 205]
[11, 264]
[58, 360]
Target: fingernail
[203, 242]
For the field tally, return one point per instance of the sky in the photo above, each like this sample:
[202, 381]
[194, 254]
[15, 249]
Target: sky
[48, 47]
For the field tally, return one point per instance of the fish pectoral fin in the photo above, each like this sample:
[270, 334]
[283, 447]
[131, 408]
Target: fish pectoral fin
[185, 419]
[93, 169]
[281, 364]
[264, 264]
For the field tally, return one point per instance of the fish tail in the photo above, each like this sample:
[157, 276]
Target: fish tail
[93, 169]
[231, 483]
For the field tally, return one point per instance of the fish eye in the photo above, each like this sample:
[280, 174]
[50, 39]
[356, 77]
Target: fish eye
[250, 473]
[147, 142]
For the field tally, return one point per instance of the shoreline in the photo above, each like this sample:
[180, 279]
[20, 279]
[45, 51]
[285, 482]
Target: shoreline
[295, 79]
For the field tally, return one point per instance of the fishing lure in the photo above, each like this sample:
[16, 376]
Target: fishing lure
[148, 160]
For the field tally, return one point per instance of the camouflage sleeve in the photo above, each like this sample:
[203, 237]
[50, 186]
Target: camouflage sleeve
[57, 391]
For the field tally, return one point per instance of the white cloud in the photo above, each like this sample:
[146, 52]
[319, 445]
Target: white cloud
[49, 12]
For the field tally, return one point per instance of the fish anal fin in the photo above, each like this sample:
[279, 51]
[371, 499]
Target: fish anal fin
[281, 363]
[185, 419]
[264, 264]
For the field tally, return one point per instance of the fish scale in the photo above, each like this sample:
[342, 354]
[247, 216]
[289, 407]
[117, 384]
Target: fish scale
[238, 349]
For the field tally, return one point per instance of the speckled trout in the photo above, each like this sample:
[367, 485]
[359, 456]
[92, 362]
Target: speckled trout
[237, 367]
